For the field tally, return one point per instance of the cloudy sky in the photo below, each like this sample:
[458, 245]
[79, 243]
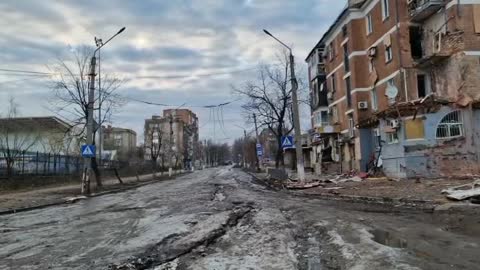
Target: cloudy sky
[163, 38]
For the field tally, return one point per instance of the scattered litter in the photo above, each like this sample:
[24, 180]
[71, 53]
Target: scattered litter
[298, 185]
[463, 192]
[75, 199]
[333, 188]
[339, 179]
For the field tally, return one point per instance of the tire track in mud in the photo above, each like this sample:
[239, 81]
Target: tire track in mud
[177, 245]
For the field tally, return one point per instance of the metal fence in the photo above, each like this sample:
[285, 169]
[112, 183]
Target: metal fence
[36, 163]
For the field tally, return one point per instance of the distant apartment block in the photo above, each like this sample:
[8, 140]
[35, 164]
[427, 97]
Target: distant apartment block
[395, 83]
[176, 133]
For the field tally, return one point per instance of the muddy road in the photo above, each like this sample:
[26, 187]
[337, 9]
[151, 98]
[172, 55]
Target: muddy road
[220, 219]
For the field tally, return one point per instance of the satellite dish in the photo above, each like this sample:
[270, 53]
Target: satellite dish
[392, 91]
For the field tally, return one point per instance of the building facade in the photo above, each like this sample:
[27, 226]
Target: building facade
[175, 135]
[121, 140]
[38, 134]
[401, 86]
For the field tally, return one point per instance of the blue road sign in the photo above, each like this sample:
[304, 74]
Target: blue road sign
[259, 150]
[287, 142]
[88, 150]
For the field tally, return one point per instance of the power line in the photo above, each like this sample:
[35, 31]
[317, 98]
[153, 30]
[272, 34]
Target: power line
[24, 71]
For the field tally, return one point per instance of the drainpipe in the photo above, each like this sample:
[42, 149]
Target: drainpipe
[402, 69]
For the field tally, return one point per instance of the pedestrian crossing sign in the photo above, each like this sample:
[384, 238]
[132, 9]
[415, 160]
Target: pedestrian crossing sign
[287, 142]
[88, 150]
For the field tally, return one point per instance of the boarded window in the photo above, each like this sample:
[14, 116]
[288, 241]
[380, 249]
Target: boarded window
[414, 129]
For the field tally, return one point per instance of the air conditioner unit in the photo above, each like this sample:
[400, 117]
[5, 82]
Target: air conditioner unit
[394, 123]
[362, 105]
[330, 95]
[376, 132]
[372, 52]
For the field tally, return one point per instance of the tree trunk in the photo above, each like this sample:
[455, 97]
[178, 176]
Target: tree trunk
[10, 163]
[96, 171]
[279, 155]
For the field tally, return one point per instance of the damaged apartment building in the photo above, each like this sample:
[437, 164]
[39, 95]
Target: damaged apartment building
[395, 84]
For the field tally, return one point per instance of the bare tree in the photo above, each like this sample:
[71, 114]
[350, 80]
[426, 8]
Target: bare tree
[16, 138]
[154, 144]
[71, 85]
[269, 97]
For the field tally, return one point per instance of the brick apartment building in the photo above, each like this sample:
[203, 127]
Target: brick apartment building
[177, 132]
[395, 83]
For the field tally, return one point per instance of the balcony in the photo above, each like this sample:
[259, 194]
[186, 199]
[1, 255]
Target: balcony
[420, 10]
[328, 129]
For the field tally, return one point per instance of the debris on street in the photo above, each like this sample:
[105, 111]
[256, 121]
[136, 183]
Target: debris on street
[463, 192]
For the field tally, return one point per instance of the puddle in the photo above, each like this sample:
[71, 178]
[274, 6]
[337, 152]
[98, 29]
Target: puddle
[388, 239]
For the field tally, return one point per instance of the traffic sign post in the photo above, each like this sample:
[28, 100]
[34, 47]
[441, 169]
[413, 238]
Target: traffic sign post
[287, 142]
[88, 151]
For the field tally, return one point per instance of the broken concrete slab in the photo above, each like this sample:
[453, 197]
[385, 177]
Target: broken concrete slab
[463, 192]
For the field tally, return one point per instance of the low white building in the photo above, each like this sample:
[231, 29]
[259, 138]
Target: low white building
[38, 134]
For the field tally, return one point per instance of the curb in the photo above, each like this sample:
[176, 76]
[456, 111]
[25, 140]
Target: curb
[420, 205]
[118, 190]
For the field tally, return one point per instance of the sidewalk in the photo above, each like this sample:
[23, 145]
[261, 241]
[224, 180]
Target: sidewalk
[53, 195]
[417, 193]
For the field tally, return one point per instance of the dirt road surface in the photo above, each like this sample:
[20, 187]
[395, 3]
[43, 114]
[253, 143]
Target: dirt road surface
[220, 218]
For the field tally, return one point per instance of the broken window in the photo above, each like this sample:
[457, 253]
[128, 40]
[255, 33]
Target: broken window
[351, 125]
[346, 61]
[423, 85]
[335, 114]
[416, 42]
[349, 91]
[451, 126]
[392, 137]
[374, 99]
[388, 53]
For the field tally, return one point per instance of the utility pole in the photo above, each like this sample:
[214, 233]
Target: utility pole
[99, 43]
[87, 161]
[296, 122]
[296, 114]
[245, 148]
[170, 150]
[259, 166]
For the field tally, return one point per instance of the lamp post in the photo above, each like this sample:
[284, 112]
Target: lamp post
[91, 100]
[99, 44]
[296, 114]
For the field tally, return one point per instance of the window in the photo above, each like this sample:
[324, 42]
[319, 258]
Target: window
[344, 31]
[331, 51]
[349, 91]
[374, 99]
[369, 24]
[335, 114]
[351, 125]
[385, 9]
[320, 119]
[451, 126]
[392, 137]
[388, 53]
[333, 83]
[423, 85]
[346, 62]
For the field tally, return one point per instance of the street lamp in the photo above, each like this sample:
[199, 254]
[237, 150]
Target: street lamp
[91, 100]
[296, 114]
